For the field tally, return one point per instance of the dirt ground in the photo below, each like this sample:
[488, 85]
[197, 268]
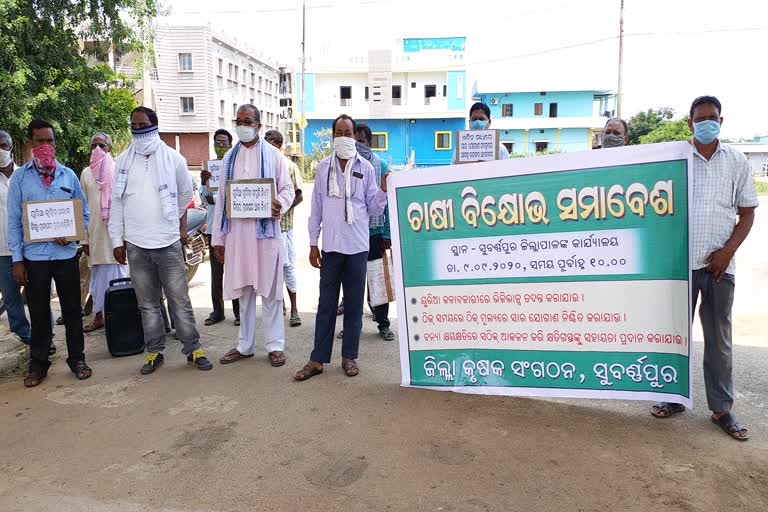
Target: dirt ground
[246, 437]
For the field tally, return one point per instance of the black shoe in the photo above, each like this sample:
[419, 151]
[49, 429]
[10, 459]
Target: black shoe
[153, 362]
[198, 359]
[60, 320]
[212, 319]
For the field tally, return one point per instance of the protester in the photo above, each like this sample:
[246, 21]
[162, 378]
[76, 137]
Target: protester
[222, 142]
[480, 119]
[250, 249]
[148, 223]
[345, 196]
[379, 235]
[96, 181]
[36, 264]
[14, 304]
[275, 138]
[722, 212]
[615, 133]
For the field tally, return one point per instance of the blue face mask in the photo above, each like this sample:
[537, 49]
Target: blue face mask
[706, 131]
[478, 124]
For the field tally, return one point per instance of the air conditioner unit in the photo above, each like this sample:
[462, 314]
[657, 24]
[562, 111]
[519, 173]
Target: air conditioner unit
[494, 101]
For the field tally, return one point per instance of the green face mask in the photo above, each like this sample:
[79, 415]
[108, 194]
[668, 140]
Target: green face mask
[220, 152]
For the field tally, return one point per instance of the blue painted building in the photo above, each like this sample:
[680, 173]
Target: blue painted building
[413, 98]
[546, 120]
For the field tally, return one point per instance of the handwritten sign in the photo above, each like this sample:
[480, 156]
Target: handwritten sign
[250, 199]
[44, 221]
[214, 167]
[477, 146]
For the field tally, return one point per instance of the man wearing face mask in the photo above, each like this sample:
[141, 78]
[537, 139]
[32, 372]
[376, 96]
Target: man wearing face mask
[222, 142]
[480, 119]
[148, 225]
[722, 212]
[251, 249]
[96, 180]
[14, 304]
[615, 133]
[36, 264]
[344, 198]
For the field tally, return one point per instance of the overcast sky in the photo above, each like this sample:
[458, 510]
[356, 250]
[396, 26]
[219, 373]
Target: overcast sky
[674, 50]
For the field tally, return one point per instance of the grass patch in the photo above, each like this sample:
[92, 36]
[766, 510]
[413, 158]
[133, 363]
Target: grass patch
[761, 187]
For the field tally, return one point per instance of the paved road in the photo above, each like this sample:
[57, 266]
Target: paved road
[246, 437]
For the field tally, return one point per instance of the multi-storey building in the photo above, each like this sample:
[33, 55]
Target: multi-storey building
[413, 97]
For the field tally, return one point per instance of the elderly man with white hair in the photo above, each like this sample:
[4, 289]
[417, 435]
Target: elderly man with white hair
[96, 181]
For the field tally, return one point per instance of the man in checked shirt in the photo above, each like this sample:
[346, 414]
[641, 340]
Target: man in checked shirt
[722, 213]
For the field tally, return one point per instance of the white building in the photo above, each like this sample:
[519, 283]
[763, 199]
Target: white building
[201, 79]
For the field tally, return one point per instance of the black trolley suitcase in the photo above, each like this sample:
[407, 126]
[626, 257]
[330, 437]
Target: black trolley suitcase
[122, 319]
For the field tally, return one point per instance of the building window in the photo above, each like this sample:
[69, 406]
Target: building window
[506, 110]
[553, 110]
[187, 104]
[345, 93]
[380, 141]
[260, 79]
[541, 147]
[221, 67]
[397, 94]
[413, 85]
[445, 91]
[221, 109]
[230, 70]
[245, 77]
[443, 141]
[509, 146]
[430, 91]
[542, 93]
[185, 62]
[234, 111]
[366, 93]
[538, 109]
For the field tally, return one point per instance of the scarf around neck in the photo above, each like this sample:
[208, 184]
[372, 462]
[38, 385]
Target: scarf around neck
[102, 166]
[333, 185]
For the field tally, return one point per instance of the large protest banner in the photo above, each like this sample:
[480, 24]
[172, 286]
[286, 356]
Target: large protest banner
[563, 275]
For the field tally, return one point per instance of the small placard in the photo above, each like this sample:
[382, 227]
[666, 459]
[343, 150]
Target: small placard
[477, 146]
[250, 199]
[45, 221]
[214, 167]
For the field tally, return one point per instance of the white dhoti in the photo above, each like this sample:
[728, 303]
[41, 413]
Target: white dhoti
[101, 275]
[289, 262]
[272, 316]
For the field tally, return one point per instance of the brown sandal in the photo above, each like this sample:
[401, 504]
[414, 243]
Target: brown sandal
[276, 358]
[33, 379]
[232, 356]
[308, 372]
[350, 367]
[81, 370]
[93, 326]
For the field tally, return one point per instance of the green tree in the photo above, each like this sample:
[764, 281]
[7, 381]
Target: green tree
[668, 131]
[320, 149]
[645, 122]
[46, 73]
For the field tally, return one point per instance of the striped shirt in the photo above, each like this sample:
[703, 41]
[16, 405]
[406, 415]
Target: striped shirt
[721, 186]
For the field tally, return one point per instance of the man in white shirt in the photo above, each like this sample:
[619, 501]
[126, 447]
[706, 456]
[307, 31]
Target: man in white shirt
[14, 304]
[722, 210]
[96, 180]
[148, 224]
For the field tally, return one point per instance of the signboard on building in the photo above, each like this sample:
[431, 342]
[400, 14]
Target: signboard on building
[558, 276]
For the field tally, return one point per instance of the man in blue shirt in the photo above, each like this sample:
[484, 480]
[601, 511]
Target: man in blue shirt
[35, 264]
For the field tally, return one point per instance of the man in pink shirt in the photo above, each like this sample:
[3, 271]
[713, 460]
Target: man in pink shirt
[251, 249]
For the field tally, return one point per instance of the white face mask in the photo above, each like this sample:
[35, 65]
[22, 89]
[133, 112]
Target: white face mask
[344, 147]
[6, 158]
[245, 133]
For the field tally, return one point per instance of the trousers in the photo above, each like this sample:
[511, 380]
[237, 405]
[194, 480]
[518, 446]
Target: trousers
[271, 315]
[217, 286]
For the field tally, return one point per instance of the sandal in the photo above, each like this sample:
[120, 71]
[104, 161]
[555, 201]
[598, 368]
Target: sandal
[308, 372]
[731, 427]
[666, 409]
[33, 379]
[93, 326]
[276, 358]
[387, 334]
[212, 320]
[232, 356]
[81, 370]
[350, 367]
[295, 321]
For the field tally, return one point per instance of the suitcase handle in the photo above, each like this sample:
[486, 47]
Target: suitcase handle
[121, 280]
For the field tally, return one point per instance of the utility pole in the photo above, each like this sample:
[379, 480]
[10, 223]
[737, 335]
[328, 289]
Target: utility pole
[303, 120]
[621, 59]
